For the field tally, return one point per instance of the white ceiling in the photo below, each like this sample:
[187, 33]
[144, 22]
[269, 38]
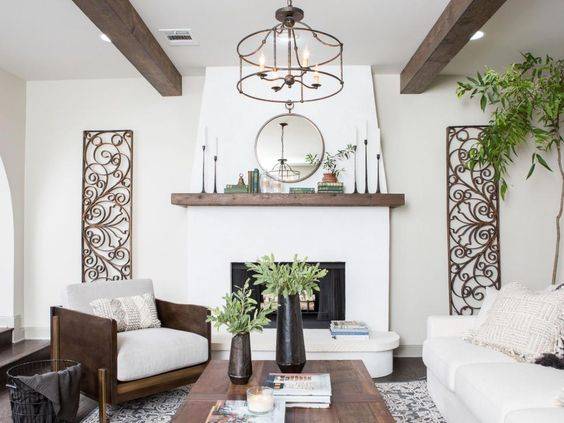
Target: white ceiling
[52, 39]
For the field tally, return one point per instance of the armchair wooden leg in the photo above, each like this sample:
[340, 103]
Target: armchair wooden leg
[103, 395]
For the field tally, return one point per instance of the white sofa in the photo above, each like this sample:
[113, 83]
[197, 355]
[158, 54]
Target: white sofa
[470, 384]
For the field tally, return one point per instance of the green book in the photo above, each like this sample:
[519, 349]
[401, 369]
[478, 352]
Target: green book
[256, 180]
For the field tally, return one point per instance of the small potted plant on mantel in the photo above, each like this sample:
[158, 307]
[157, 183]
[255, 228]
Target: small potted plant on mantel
[241, 315]
[330, 162]
[287, 282]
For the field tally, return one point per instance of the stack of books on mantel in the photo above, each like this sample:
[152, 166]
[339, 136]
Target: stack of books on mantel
[349, 329]
[301, 390]
[330, 187]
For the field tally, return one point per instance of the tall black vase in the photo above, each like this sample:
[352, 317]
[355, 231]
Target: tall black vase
[290, 348]
[240, 364]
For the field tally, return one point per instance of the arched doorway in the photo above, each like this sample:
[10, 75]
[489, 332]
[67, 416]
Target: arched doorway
[6, 250]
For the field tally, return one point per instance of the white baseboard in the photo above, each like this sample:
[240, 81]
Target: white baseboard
[408, 351]
[37, 332]
[14, 322]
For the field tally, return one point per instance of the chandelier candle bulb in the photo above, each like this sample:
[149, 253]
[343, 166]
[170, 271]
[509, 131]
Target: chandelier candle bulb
[262, 61]
[306, 58]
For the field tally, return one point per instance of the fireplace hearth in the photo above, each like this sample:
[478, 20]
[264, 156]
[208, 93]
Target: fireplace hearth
[318, 311]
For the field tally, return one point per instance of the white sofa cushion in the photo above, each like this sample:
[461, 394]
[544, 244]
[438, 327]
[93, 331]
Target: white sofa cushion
[444, 356]
[148, 352]
[492, 390]
[536, 415]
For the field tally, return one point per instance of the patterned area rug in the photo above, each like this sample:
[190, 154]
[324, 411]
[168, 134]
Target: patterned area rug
[409, 402]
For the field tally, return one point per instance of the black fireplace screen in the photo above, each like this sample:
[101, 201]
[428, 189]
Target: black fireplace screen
[317, 311]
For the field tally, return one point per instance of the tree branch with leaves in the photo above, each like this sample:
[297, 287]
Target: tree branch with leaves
[527, 102]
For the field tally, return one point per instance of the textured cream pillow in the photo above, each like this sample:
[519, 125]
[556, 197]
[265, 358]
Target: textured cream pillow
[522, 323]
[130, 313]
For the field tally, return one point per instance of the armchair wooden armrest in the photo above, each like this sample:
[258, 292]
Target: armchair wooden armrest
[185, 317]
[88, 339]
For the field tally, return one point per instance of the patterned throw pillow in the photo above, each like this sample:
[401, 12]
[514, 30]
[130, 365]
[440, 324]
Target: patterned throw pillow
[130, 313]
[522, 323]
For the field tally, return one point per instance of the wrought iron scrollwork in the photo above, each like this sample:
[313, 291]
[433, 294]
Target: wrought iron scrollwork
[472, 223]
[107, 170]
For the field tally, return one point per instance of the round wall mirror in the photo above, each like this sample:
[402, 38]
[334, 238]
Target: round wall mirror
[282, 145]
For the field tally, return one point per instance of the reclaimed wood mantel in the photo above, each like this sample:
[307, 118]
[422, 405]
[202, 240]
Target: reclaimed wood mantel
[289, 200]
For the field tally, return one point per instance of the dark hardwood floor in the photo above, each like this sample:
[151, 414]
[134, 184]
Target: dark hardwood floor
[405, 369]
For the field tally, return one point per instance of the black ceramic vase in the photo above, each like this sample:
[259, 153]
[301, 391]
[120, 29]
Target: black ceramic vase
[240, 365]
[290, 348]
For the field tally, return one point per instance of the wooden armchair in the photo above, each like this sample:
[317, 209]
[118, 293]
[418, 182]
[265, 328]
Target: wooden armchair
[95, 342]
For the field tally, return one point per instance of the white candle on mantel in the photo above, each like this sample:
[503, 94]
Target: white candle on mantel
[205, 142]
[216, 145]
[260, 403]
[366, 135]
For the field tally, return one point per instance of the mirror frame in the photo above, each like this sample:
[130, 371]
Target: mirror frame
[320, 136]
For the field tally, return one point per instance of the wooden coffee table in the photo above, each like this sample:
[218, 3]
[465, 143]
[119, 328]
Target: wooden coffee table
[354, 397]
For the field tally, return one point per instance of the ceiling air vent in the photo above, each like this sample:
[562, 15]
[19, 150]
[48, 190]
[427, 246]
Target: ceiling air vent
[179, 37]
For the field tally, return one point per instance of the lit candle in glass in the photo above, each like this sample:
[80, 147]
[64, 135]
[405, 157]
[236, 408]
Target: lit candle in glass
[305, 60]
[260, 399]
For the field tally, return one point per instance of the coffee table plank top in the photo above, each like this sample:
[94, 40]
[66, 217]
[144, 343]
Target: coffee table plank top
[354, 396]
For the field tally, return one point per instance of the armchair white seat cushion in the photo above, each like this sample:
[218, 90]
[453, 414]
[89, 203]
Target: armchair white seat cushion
[148, 352]
[492, 390]
[444, 356]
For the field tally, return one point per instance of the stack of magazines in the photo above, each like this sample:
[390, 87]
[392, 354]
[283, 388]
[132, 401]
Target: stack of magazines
[349, 329]
[237, 411]
[304, 390]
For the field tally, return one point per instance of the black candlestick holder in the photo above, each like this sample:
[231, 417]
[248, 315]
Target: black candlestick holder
[215, 174]
[355, 184]
[378, 174]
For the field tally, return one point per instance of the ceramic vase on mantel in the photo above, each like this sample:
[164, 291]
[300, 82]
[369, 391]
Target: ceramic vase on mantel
[240, 364]
[290, 348]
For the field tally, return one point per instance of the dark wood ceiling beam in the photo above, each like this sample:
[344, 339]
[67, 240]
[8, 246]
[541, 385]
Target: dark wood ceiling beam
[119, 20]
[458, 22]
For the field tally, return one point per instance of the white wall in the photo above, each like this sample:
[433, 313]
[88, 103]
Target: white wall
[413, 141]
[164, 134]
[413, 133]
[12, 147]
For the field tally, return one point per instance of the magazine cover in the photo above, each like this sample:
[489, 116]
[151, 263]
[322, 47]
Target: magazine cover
[237, 412]
[302, 384]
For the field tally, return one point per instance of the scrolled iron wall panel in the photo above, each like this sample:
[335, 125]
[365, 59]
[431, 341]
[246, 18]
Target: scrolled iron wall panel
[107, 188]
[472, 224]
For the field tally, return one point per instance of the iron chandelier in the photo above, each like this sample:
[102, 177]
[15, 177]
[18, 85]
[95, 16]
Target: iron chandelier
[276, 64]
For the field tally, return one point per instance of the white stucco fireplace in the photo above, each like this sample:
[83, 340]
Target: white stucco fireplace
[357, 236]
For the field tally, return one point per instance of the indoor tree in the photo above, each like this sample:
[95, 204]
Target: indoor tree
[527, 101]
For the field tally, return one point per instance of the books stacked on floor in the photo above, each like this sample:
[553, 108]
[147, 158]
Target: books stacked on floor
[237, 411]
[253, 181]
[298, 190]
[301, 390]
[331, 187]
[349, 329]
